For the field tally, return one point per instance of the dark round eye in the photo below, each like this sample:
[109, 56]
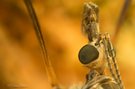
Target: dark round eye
[87, 54]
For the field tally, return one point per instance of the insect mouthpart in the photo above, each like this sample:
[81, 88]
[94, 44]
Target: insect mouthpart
[90, 21]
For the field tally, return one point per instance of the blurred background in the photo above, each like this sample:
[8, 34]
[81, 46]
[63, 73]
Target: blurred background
[21, 66]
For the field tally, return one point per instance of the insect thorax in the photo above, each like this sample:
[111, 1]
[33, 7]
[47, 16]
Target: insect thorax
[98, 81]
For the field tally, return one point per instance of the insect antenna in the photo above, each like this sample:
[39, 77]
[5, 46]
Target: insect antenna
[47, 63]
[105, 42]
[112, 54]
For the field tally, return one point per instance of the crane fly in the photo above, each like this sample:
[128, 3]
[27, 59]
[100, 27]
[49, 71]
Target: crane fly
[98, 54]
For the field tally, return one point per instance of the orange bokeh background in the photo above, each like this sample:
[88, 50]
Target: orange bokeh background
[60, 20]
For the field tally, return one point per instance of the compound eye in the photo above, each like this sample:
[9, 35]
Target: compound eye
[87, 54]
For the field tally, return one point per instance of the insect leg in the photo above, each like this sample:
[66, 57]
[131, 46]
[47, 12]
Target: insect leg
[122, 17]
[46, 61]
